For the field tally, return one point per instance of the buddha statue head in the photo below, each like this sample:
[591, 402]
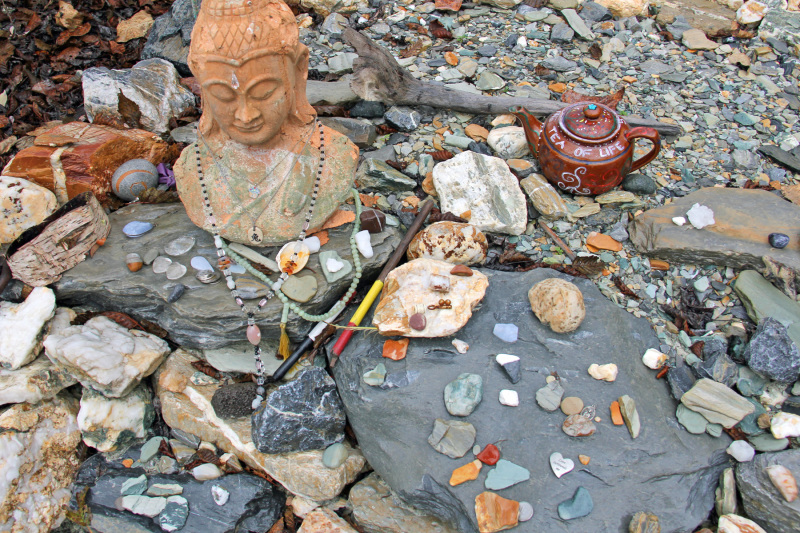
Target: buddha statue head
[252, 68]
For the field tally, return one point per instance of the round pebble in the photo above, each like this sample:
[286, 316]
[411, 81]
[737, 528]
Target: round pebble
[778, 240]
[476, 449]
[525, 512]
[150, 256]
[335, 455]
[571, 405]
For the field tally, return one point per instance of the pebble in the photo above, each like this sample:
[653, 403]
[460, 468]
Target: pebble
[144, 505]
[175, 271]
[161, 264]
[136, 228]
[584, 459]
[300, 288]
[150, 256]
[654, 359]
[578, 426]
[560, 464]
[630, 415]
[376, 376]
[571, 405]
[395, 349]
[525, 512]
[165, 489]
[785, 425]
[134, 486]
[199, 262]
[784, 481]
[150, 449]
[364, 245]
[460, 346]
[606, 372]
[489, 455]
[452, 438]
[465, 473]
[176, 293]
[778, 240]
[335, 455]
[509, 397]
[180, 246]
[462, 395]
[506, 332]
[511, 365]
[174, 515]
[644, 523]
[206, 471]
[549, 396]
[557, 303]
[134, 262]
[700, 216]
[579, 505]
[506, 474]
[220, 495]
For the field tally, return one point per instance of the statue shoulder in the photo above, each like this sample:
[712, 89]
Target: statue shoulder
[339, 145]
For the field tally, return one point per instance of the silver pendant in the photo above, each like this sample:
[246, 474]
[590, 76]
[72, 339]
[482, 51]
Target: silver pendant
[254, 191]
[255, 236]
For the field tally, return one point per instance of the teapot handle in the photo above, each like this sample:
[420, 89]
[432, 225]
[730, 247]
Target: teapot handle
[646, 133]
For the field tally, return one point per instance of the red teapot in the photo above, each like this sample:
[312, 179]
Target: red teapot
[585, 148]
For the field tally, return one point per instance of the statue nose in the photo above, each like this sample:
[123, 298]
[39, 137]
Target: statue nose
[246, 113]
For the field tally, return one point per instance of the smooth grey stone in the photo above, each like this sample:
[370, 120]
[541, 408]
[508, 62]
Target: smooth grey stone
[400, 454]
[176, 293]
[403, 118]
[304, 414]
[761, 500]
[559, 64]
[562, 33]
[207, 317]
[136, 228]
[639, 184]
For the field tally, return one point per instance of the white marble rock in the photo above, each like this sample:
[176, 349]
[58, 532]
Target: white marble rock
[363, 243]
[23, 204]
[108, 424]
[484, 186]
[22, 327]
[34, 382]
[509, 142]
[105, 356]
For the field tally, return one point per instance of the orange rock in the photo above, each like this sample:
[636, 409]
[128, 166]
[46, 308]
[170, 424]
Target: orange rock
[495, 513]
[603, 242]
[629, 79]
[127, 463]
[465, 473]
[584, 459]
[466, 215]
[395, 349]
[322, 236]
[451, 58]
[557, 87]
[413, 201]
[427, 185]
[616, 414]
[339, 217]
[448, 5]
[368, 200]
[658, 264]
[476, 132]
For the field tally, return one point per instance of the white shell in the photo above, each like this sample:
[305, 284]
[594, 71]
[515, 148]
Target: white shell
[285, 259]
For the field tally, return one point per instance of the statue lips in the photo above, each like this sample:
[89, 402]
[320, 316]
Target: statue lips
[249, 128]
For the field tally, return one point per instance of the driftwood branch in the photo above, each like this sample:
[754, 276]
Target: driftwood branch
[377, 76]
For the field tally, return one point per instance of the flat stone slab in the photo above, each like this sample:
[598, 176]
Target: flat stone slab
[665, 469]
[743, 221]
[206, 315]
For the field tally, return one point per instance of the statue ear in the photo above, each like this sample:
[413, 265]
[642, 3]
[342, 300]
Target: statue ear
[303, 110]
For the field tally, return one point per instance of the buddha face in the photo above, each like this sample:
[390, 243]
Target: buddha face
[252, 101]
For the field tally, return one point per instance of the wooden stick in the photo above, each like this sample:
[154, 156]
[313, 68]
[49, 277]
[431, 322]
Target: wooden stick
[572, 255]
[378, 77]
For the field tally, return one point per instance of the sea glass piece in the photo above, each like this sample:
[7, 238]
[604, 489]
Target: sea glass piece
[180, 246]
[161, 264]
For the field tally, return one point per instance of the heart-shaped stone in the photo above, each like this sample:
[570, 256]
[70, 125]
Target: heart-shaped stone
[560, 465]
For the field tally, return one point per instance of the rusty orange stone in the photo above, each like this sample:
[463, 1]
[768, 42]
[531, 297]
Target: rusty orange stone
[557, 87]
[127, 463]
[465, 473]
[448, 5]
[616, 414]
[395, 349]
[427, 185]
[461, 270]
[495, 513]
[603, 242]
[584, 459]
[476, 132]
[658, 264]
[451, 58]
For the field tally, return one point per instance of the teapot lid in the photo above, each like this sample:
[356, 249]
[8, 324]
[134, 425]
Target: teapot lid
[590, 122]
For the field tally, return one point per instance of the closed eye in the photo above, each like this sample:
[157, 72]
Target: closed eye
[221, 92]
[263, 89]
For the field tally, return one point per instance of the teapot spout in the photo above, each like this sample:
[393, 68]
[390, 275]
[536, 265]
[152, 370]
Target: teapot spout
[531, 125]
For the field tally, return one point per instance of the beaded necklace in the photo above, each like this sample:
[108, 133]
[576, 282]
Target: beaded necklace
[225, 254]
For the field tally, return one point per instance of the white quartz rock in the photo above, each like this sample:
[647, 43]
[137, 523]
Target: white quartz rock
[509, 142]
[313, 244]
[460, 346]
[108, 424]
[105, 356]
[23, 204]
[364, 244]
[700, 216]
[785, 425]
[654, 359]
[37, 381]
[206, 471]
[509, 397]
[485, 187]
[39, 457]
[741, 450]
[678, 221]
[220, 495]
[333, 265]
[604, 372]
[21, 327]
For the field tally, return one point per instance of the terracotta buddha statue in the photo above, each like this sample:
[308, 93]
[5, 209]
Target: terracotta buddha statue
[258, 138]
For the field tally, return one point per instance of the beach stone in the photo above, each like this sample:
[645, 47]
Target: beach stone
[335, 455]
[452, 437]
[644, 523]
[105, 356]
[399, 453]
[761, 300]
[760, 499]
[544, 197]
[199, 319]
[578, 426]
[726, 493]
[508, 142]
[407, 286]
[732, 523]
[453, 242]
[34, 382]
[549, 396]
[22, 325]
[378, 176]
[717, 403]
[743, 218]
[495, 513]
[484, 186]
[403, 118]
[39, 456]
[579, 505]
[694, 422]
[322, 520]
[639, 184]
[571, 405]
[767, 443]
[23, 204]
[300, 288]
[557, 303]
[153, 85]
[465, 473]
[304, 414]
[234, 400]
[772, 353]
[379, 510]
[511, 365]
[631, 416]
[109, 424]
[506, 474]
[462, 395]
[187, 407]
[375, 377]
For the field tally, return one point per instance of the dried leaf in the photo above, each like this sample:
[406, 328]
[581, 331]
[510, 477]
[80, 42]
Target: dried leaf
[165, 449]
[80, 31]
[439, 31]
[207, 456]
[595, 51]
[413, 50]
[697, 348]
[129, 111]
[397, 165]
[447, 216]
[590, 266]
[205, 368]
[419, 28]
[624, 289]
[122, 319]
[277, 527]
[612, 101]
[385, 129]
[441, 155]
[542, 71]
[6, 51]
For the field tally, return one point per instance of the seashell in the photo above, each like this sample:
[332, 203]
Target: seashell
[784, 481]
[292, 258]
[137, 228]
[134, 262]
[208, 276]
